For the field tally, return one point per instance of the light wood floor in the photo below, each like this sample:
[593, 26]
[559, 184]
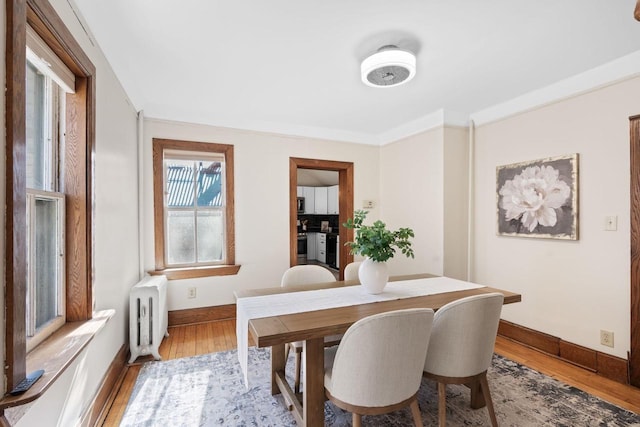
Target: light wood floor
[192, 340]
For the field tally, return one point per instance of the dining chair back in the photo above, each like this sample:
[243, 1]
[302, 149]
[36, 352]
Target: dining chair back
[306, 275]
[351, 270]
[461, 346]
[377, 366]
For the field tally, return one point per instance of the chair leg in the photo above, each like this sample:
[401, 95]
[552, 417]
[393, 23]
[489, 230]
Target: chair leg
[296, 385]
[356, 420]
[442, 404]
[415, 411]
[484, 384]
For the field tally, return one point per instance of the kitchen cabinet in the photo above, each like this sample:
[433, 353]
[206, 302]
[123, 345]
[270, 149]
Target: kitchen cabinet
[320, 200]
[300, 191]
[321, 247]
[312, 246]
[332, 200]
[309, 194]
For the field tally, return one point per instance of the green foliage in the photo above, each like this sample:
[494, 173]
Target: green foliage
[375, 241]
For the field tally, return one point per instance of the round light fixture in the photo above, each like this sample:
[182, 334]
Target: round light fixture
[388, 67]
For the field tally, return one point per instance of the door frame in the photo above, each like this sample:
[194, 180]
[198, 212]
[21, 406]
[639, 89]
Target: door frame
[634, 354]
[345, 204]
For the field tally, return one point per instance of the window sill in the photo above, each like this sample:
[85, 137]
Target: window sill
[55, 355]
[193, 272]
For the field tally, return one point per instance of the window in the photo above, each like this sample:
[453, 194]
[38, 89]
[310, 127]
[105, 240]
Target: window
[45, 221]
[37, 163]
[193, 198]
[45, 265]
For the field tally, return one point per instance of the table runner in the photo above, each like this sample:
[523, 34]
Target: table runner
[297, 302]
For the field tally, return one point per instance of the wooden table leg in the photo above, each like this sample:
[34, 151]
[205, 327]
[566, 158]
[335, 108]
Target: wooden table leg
[477, 398]
[313, 395]
[277, 364]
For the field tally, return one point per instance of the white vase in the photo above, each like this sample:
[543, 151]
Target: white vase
[373, 276]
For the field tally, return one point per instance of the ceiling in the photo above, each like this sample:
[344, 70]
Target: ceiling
[293, 67]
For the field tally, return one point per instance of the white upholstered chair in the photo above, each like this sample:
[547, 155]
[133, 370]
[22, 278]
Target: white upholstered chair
[351, 270]
[461, 346]
[377, 367]
[306, 275]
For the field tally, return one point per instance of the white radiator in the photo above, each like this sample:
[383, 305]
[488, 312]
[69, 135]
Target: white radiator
[148, 316]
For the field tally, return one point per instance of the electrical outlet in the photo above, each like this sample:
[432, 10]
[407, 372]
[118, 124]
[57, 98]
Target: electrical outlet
[191, 292]
[606, 338]
[367, 204]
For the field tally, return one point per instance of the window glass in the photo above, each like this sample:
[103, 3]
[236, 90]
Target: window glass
[181, 229]
[194, 210]
[47, 267]
[210, 238]
[35, 135]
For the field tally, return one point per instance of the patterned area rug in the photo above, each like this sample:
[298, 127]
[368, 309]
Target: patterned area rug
[208, 390]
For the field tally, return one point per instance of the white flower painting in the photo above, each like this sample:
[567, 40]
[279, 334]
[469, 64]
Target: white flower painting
[539, 198]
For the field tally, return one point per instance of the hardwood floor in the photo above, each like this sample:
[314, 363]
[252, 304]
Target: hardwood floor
[192, 340]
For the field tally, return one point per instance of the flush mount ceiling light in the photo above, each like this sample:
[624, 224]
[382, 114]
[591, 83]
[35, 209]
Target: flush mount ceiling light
[388, 67]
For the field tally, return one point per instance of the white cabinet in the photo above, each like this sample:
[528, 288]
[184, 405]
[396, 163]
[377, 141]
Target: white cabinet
[338, 252]
[312, 246]
[332, 200]
[322, 247]
[300, 191]
[321, 200]
[309, 194]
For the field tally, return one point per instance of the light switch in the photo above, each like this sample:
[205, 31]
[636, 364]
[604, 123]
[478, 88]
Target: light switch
[611, 223]
[367, 204]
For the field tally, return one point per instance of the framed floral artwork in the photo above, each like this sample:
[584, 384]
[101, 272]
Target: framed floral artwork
[539, 198]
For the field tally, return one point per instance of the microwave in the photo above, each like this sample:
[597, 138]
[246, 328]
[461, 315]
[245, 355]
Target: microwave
[300, 201]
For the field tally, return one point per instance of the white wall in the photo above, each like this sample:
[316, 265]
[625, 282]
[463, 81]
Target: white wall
[455, 202]
[570, 289]
[411, 195]
[115, 241]
[261, 202]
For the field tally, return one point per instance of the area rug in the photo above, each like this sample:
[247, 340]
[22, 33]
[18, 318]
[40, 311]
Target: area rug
[209, 390]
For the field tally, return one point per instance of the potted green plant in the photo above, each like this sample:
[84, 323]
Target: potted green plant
[377, 244]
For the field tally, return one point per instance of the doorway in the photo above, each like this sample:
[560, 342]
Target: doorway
[345, 204]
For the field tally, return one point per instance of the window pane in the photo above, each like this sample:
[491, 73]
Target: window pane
[210, 236]
[35, 121]
[180, 237]
[180, 183]
[210, 184]
[47, 256]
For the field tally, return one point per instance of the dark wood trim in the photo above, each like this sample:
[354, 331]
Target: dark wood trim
[345, 203]
[192, 316]
[97, 411]
[191, 273]
[77, 179]
[538, 340]
[15, 231]
[578, 355]
[611, 367]
[159, 145]
[634, 354]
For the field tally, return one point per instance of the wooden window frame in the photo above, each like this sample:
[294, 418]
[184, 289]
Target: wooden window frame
[76, 180]
[159, 146]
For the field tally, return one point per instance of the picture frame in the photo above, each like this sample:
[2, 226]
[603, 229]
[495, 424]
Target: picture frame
[538, 198]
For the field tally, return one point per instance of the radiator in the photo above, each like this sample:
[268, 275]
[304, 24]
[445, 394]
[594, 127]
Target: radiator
[148, 317]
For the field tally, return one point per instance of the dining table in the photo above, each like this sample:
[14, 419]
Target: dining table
[276, 327]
